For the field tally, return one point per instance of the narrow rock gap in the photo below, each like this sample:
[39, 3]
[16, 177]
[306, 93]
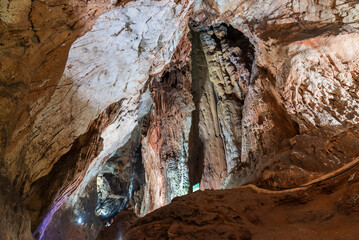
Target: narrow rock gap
[199, 74]
[120, 178]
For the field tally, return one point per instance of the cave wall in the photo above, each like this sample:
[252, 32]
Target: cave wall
[34, 43]
[293, 114]
[207, 159]
[79, 97]
[152, 49]
[165, 147]
[54, 102]
[327, 209]
[120, 183]
[276, 105]
[33, 58]
[229, 59]
[278, 115]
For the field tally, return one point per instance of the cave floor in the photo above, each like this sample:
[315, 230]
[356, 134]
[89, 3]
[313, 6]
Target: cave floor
[326, 208]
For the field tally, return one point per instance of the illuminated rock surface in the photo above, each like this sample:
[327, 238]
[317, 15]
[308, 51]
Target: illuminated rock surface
[165, 148]
[325, 210]
[108, 105]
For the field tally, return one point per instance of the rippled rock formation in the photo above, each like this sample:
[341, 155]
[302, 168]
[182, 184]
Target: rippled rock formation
[165, 148]
[327, 209]
[222, 62]
[111, 106]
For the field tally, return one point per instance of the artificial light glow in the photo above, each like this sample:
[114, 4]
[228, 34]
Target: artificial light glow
[79, 221]
[195, 187]
[102, 212]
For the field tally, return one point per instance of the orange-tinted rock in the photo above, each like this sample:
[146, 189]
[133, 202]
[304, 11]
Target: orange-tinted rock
[278, 119]
[327, 209]
[165, 148]
[34, 44]
[120, 224]
[43, 109]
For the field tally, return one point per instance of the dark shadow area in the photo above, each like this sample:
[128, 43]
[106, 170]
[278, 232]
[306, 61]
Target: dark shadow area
[199, 77]
[237, 38]
[49, 192]
[122, 176]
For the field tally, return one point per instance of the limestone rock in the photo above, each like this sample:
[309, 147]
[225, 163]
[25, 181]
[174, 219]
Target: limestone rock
[165, 148]
[228, 57]
[121, 181]
[262, 92]
[34, 42]
[327, 209]
[96, 75]
[302, 86]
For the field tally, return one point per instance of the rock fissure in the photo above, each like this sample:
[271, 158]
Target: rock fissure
[31, 23]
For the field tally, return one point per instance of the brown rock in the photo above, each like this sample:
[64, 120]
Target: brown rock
[327, 209]
[268, 96]
[165, 148]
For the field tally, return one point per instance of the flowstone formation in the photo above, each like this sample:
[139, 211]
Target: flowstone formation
[274, 86]
[46, 109]
[222, 61]
[109, 110]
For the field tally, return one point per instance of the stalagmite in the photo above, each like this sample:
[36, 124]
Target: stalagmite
[179, 119]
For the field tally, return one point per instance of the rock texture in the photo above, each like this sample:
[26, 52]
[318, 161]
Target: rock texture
[325, 209]
[79, 97]
[262, 92]
[278, 112]
[305, 104]
[15, 220]
[227, 57]
[55, 111]
[121, 181]
[121, 223]
[35, 40]
[124, 77]
[292, 109]
[34, 43]
[50, 191]
[165, 148]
